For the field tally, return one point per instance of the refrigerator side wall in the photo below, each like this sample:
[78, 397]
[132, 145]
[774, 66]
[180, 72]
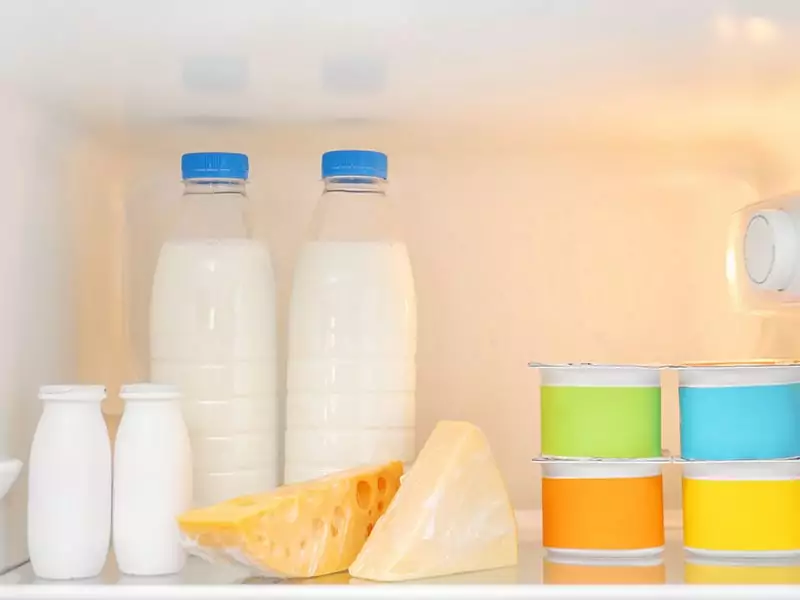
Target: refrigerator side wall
[38, 302]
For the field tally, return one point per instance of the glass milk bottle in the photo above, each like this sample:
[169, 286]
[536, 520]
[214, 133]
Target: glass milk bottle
[152, 481]
[212, 331]
[352, 328]
[69, 484]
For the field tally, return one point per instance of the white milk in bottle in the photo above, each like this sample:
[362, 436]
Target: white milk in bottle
[212, 331]
[352, 328]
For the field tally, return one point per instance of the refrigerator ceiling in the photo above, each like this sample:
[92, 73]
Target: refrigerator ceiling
[708, 64]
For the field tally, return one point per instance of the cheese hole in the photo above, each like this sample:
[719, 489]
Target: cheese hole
[265, 542]
[380, 506]
[369, 528]
[363, 494]
[338, 521]
[292, 514]
[381, 485]
[317, 527]
[302, 545]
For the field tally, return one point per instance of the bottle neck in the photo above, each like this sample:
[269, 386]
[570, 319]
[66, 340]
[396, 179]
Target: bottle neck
[354, 209]
[212, 209]
[214, 186]
[71, 407]
[150, 405]
[355, 184]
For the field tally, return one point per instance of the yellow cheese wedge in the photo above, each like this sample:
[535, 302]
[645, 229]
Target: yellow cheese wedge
[451, 515]
[302, 530]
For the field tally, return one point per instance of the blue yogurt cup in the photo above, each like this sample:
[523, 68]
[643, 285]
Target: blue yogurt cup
[740, 412]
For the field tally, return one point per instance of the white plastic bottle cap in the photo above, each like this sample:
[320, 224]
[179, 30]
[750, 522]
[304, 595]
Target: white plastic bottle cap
[770, 249]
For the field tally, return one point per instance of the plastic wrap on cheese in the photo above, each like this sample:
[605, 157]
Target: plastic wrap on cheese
[451, 515]
[301, 530]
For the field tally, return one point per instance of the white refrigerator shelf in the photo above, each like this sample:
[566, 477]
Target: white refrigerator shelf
[200, 581]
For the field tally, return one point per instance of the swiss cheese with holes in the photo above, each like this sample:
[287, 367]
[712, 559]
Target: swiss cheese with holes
[301, 530]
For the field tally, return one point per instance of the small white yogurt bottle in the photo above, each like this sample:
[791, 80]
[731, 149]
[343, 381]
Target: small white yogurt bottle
[69, 485]
[152, 480]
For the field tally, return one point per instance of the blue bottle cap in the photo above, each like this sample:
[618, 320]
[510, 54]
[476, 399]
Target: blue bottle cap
[212, 165]
[364, 163]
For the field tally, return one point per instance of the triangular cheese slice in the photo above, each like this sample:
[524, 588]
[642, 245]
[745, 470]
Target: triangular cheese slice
[451, 515]
[301, 530]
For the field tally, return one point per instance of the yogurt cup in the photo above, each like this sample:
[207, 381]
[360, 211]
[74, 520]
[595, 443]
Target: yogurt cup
[740, 412]
[600, 411]
[602, 509]
[746, 509]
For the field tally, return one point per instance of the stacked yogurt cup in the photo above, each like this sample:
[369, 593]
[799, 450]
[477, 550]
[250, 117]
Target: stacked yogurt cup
[602, 487]
[740, 443]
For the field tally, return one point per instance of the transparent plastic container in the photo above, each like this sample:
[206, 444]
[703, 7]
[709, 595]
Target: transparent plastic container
[212, 331]
[352, 328]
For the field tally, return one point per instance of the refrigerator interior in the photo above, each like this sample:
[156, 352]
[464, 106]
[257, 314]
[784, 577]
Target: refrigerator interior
[567, 172]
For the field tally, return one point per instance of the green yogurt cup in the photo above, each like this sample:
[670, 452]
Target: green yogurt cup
[600, 411]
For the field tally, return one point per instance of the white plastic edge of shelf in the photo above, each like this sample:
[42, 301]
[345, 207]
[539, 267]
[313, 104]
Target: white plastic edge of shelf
[400, 592]
[403, 592]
